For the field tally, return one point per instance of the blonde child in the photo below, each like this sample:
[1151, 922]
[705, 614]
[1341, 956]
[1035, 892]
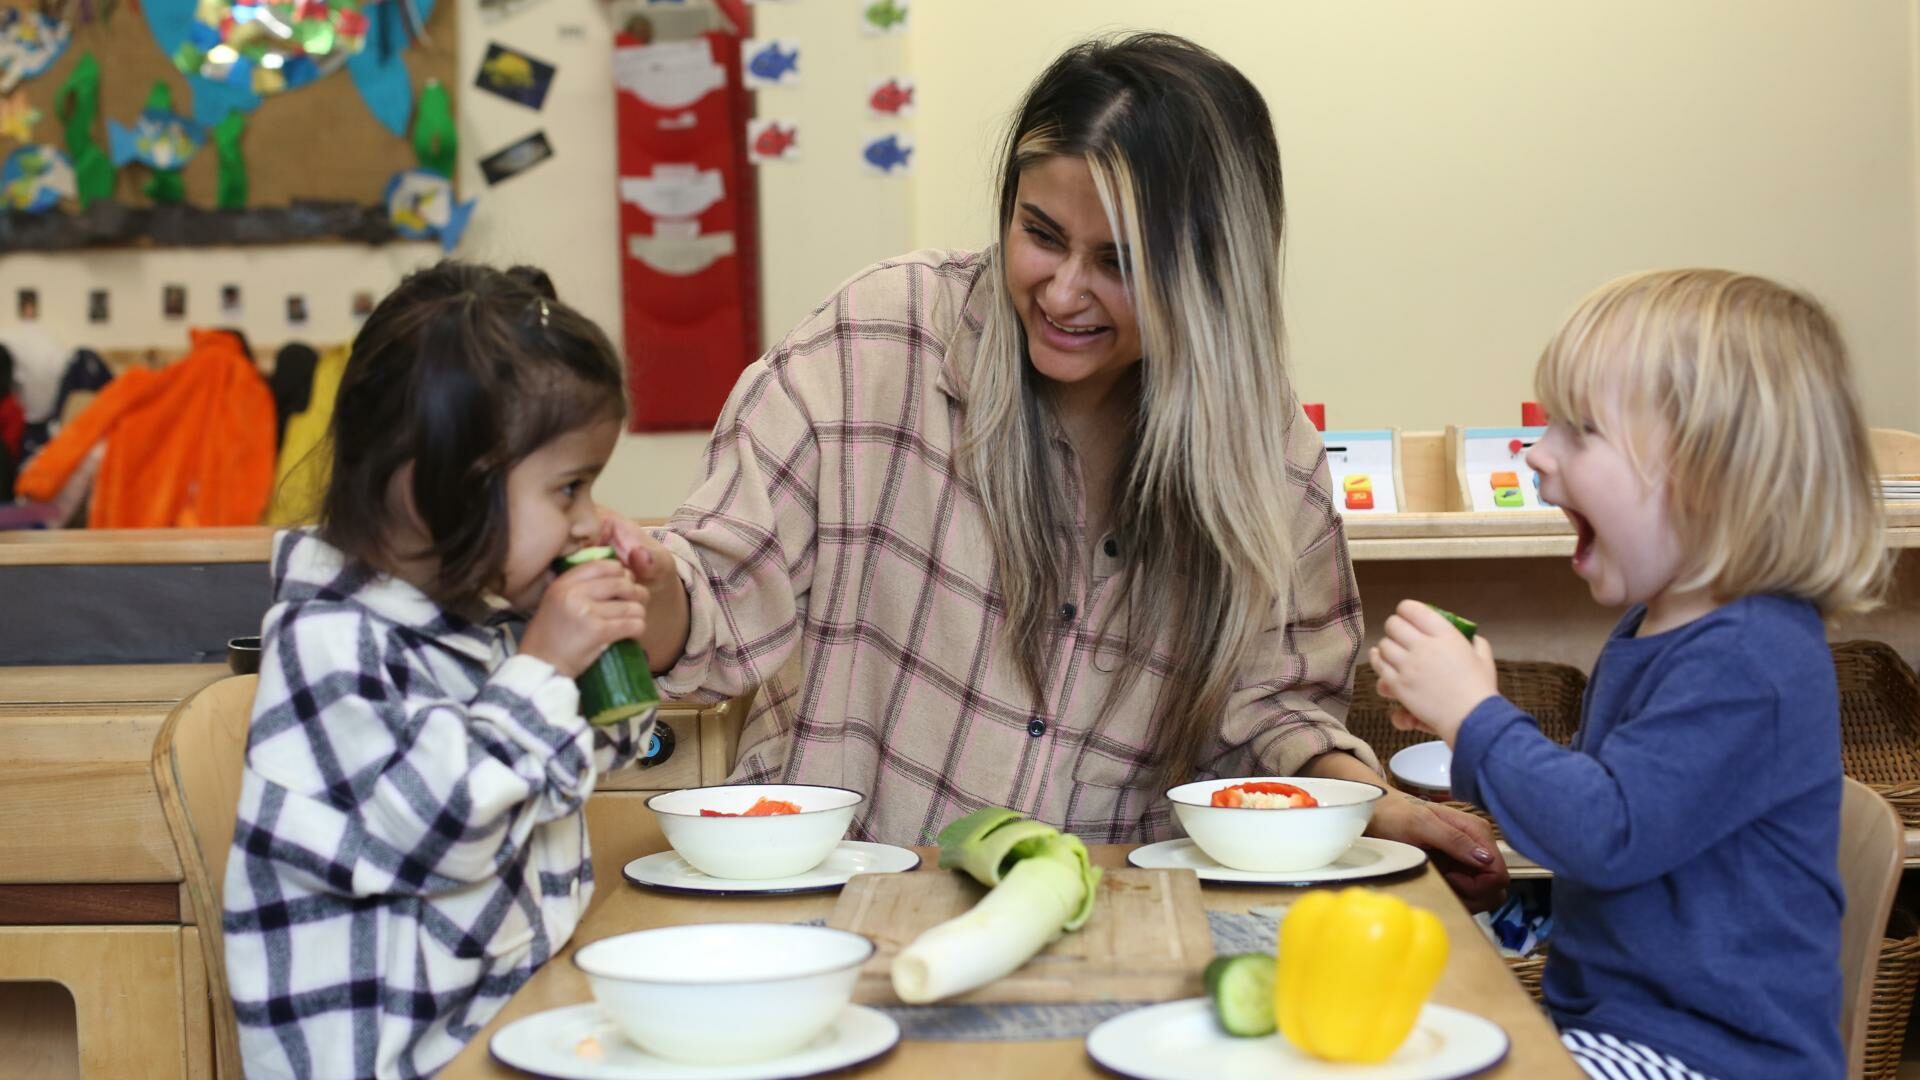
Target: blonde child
[410, 846]
[1707, 445]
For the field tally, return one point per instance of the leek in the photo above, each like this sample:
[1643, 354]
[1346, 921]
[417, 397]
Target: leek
[1042, 886]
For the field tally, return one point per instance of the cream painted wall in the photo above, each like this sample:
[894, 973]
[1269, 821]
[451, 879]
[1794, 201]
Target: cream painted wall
[1459, 175]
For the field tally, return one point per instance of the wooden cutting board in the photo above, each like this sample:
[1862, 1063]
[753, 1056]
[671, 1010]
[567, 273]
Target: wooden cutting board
[1147, 941]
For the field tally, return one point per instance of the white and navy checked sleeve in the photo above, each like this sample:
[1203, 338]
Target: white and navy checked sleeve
[377, 784]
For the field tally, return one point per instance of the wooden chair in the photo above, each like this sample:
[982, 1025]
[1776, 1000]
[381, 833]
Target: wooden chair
[197, 761]
[1872, 854]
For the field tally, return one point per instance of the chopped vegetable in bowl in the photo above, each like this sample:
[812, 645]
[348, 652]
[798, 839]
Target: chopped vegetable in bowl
[762, 807]
[1263, 795]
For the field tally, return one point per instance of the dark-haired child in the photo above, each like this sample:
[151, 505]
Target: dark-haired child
[410, 846]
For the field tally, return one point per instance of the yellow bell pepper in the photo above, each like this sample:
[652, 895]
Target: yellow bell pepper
[1355, 967]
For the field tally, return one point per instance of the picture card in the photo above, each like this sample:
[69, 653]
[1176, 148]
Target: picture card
[516, 158]
[512, 74]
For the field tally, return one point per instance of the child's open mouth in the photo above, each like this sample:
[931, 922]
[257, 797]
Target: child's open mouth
[1583, 537]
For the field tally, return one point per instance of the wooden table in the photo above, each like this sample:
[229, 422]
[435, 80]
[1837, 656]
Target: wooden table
[1476, 978]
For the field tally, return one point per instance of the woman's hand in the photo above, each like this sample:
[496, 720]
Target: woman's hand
[586, 609]
[652, 565]
[1435, 674]
[1461, 846]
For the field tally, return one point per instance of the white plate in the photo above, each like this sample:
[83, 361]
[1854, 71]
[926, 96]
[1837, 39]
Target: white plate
[1181, 1040]
[1369, 857]
[546, 1043]
[668, 872]
[1427, 765]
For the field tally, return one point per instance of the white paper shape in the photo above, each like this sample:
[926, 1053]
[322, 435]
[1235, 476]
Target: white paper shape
[674, 191]
[669, 75]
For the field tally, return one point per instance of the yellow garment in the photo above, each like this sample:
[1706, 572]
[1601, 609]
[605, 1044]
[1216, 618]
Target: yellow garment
[306, 461]
[1355, 967]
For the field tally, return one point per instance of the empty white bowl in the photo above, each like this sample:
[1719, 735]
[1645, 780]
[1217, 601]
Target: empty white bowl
[1425, 769]
[725, 993]
[1272, 840]
[754, 849]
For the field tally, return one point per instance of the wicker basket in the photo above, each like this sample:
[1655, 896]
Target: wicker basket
[1880, 723]
[1893, 985]
[1550, 693]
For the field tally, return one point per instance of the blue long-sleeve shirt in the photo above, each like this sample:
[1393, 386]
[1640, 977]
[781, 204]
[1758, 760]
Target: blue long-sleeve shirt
[1693, 833]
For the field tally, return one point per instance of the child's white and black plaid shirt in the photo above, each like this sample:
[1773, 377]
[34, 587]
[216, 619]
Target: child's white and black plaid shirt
[409, 846]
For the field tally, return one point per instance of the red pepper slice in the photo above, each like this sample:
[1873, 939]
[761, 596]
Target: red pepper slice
[763, 807]
[1235, 796]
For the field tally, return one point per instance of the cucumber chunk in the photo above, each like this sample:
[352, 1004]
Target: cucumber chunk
[1242, 991]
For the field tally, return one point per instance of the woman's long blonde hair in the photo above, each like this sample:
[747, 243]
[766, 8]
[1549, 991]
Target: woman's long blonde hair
[1183, 154]
[1733, 392]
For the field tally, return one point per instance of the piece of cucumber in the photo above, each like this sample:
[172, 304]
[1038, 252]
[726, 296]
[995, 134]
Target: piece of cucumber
[1242, 991]
[1465, 626]
[620, 682]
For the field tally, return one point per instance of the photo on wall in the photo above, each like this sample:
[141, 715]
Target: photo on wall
[97, 311]
[173, 301]
[229, 300]
[27, 305]
[515, 76]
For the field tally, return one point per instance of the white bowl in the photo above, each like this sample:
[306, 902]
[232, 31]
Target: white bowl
[724, 993]
[751, 849]
[1425, 768]
[1268, 840]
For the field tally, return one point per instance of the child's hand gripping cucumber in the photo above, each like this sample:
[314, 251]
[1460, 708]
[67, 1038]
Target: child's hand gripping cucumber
[620, 683]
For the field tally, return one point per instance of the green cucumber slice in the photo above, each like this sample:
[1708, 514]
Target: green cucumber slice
[1465, 626]
[585, 555]
[1242, 991]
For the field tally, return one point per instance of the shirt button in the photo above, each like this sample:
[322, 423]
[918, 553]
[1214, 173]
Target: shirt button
[1113, 548]
[1067, 612]
[1036, 727]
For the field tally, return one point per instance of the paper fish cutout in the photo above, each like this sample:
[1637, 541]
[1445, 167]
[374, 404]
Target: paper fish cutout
[30, 42]
[892, 98]
[887, 154]
[768, 64]
[884, 15]
[421, 206]
[770, 140]
[17, 117]
[159, 140]
[35, 178]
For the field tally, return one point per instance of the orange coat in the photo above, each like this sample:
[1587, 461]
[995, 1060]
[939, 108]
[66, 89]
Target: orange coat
[190, 444]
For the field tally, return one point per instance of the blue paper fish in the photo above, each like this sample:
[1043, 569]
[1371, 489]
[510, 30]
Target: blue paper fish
[887, 153]
[421, 206]
[30, 42]
[772, 65]
[35, 179]
[158, 140]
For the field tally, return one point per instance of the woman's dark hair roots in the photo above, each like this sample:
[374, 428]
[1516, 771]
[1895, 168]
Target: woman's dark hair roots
[463, 370]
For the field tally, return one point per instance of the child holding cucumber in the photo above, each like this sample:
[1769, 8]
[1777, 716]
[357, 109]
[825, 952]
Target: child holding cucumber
[1707, 445]
[410, 845]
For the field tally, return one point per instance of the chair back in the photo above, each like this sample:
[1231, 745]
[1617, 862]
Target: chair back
[1872, 855]
[197, 763]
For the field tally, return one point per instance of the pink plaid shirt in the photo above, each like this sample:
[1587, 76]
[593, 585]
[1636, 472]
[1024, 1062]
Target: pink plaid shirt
[835, 559]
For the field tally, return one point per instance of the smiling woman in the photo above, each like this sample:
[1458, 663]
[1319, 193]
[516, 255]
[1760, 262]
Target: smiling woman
[1043, 526]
